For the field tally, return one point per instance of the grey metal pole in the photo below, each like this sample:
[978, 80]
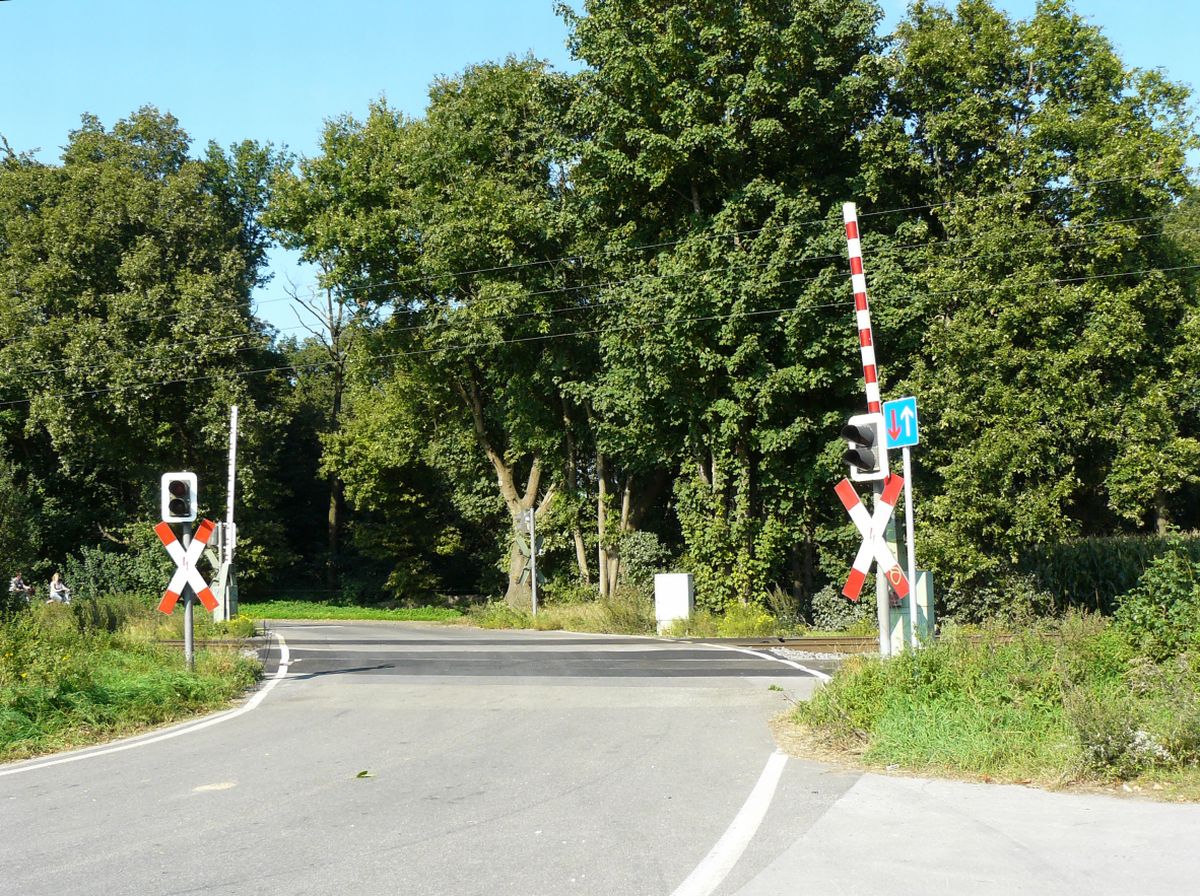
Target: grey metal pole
[883, 610]
[189, 647]
[227, 608]
[911, 547]
[533, 557]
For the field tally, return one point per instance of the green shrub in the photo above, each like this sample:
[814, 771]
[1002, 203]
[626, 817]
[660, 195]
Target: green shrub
[1161, 615]
[1050, 700]
[642, 555]
[833, 612]
[1011, 596]
[567, 591]
[702, 624]
[784, 605]
[1106, 719]
[749, 620]
[1169, 693]
[1093, 573]
[986, 703]
[1090, 650]
[141, 567]
[10, 604]
[112, 612]
[498, 614]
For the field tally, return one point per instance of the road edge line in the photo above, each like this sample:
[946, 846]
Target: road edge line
[715, 867]
[816, 673]
[178, 731]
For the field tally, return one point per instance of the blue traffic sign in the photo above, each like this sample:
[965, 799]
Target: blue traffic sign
[900, 422]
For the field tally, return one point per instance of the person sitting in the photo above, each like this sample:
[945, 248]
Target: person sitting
[59, 592]
[17, 586]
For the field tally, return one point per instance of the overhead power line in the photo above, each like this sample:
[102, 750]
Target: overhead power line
[543, 337]
[208, 341]
[889, 250]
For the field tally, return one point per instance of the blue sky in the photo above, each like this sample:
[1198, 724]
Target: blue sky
[273, 71]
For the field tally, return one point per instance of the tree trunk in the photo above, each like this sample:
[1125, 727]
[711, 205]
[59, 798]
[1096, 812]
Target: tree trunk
[337, 503]
[1162, 515]
[517, 595]
[602, 566]
[337, 493]
[520, 596]
[571, 478]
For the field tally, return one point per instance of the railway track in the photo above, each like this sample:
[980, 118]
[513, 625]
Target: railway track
[815, 644]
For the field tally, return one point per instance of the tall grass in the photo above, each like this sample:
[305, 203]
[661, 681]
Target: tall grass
[72, 675]
[629, 612]
[1055, 701]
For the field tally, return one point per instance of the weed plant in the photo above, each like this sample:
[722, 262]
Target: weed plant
[749, 620]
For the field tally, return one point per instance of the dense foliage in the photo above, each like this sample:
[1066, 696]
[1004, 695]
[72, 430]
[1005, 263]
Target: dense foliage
[618, 300]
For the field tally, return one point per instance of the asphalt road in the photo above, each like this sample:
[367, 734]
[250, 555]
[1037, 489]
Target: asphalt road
[394, 759]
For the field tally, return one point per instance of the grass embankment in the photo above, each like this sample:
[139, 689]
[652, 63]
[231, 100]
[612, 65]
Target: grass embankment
[85, 673]
[1057, 702]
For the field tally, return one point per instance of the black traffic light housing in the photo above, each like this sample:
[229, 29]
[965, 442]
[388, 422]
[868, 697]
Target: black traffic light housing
[179, 497]
[866, 451]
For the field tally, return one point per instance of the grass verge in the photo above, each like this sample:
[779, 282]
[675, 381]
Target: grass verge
[1056, 703]
[66, 683]
[300, 609]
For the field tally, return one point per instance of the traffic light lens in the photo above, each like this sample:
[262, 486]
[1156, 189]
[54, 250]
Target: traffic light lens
[178, 507]
[178, 489]
[866, 449]
[855, 432]
[863, 458]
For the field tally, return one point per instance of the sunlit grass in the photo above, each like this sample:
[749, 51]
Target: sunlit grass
[65, 686]
[299, 609]
[1052, 703]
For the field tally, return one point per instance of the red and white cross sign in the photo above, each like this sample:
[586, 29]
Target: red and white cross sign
[874, 546]
[186, 574]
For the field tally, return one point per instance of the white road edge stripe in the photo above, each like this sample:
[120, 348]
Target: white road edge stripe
[178, 731]
[720, 860]
[816, 673]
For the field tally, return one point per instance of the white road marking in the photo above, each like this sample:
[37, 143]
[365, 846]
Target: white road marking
[712, 870]
[178, 731]
[767, 656]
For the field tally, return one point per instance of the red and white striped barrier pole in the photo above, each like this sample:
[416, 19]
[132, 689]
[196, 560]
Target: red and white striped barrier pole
[858, 281]
[866, 344]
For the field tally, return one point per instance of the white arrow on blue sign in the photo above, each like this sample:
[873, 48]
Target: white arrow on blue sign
[900, 422]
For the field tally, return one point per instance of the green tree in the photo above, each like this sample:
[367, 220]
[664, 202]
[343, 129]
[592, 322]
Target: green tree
[125, 327]
[452, 227]
[719, 136]
[1046, 303]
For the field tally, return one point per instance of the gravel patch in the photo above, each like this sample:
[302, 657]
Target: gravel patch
[789, 653]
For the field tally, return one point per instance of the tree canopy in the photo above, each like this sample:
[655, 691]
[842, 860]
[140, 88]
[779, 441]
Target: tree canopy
[619, 299]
